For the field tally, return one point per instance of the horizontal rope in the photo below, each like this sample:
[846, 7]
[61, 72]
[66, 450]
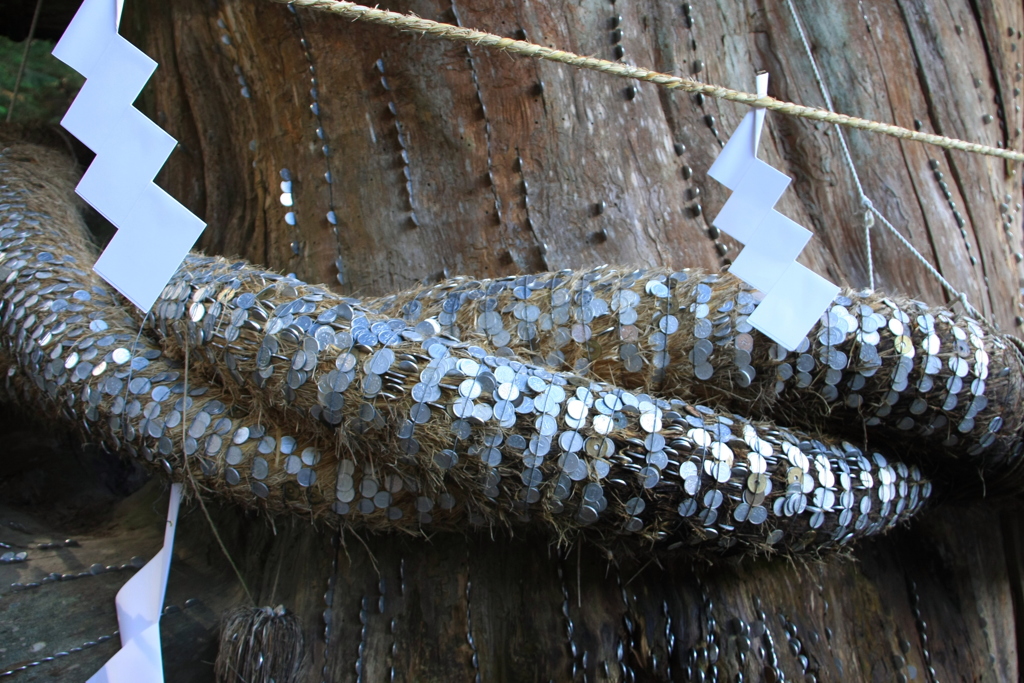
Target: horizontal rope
[437, 29]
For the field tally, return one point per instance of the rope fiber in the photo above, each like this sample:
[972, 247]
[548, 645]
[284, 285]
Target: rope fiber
[437, 29]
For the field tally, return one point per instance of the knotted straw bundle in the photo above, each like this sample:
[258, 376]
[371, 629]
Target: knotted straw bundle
[260, 645]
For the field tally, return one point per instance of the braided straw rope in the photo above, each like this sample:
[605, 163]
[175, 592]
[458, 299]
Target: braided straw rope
[413, 430]
[450, 407]
[437, 29]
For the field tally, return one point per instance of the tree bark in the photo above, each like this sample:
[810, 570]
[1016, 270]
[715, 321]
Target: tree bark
[448, 159]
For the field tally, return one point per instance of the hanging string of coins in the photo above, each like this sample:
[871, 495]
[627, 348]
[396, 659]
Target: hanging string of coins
[629, 407]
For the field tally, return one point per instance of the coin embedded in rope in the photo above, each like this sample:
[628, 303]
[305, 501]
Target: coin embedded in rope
[654, 448]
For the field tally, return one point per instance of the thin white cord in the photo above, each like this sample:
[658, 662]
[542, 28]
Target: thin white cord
[960, 296]
[864, 200]
[869, 222]
[870, 211]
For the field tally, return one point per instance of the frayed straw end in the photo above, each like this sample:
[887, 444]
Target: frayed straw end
[259, 645]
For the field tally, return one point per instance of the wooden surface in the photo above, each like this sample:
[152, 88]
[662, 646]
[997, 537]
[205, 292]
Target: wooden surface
[421, 599]
[582, 142]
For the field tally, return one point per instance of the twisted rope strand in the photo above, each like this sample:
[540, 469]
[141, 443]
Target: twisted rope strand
[437, 29]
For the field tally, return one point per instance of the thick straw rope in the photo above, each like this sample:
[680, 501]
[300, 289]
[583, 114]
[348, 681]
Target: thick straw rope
[414, 430]
[451, 406]
[521, 47]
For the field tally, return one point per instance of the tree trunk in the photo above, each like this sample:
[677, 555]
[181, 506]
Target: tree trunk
[448, 159]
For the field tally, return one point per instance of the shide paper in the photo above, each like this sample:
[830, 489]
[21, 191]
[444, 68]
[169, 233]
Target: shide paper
[154, 231]
[139, 605]
[795, 297]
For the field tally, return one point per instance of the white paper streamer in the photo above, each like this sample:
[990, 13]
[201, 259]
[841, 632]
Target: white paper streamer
[795, 297]
[154, 231]
[139, 605]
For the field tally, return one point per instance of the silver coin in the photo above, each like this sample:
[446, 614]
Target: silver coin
[532, 477]
[668, 324]
[633, 364]
[741, 512]
[420, 413]
[470, 389]
[687, 469]
[713, 498]
[658, 459]
[372, 384]
[650, 476]
[446, 459]
[703, 293]
[703, 371]
[234, 455]
[260, 468]
[368, 487]
[491, 457]
[687, 508]
[758, 515]
[570, 442]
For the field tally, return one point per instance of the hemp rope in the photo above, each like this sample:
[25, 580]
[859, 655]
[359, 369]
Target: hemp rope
[437, 29]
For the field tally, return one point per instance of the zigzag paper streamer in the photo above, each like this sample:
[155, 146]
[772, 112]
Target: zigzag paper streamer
[795, 297]
[154, 231]
[139, 606]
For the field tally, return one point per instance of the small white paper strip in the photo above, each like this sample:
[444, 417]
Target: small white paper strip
[87, 35]
[753, 198]
[769, 252]
[795, 303]
[139, 604]
[762, 90]
[128, 167]
[164, 232]
[742, 147]
[154, 231]
[795, 297]
[115, 82]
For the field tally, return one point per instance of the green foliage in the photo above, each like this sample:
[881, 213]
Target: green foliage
[47, 87]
